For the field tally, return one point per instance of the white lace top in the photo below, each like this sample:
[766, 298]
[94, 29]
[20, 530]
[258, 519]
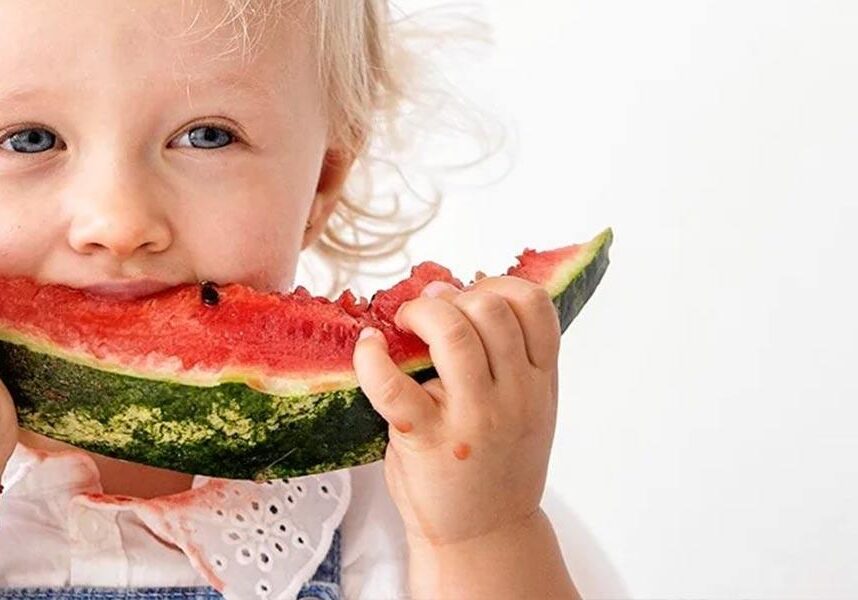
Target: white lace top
[247, 540]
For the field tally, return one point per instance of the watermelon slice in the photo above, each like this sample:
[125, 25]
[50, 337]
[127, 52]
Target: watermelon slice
[226, 381]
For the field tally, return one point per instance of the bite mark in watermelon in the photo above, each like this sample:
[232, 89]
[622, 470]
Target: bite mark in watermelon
[245, 384]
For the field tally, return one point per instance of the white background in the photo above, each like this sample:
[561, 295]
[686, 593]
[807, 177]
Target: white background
[707, 435]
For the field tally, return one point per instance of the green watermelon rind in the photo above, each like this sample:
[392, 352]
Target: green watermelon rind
[575, 284]
[230, 430]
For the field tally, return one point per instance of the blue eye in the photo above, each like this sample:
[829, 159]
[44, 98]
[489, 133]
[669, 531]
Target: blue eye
[37, 139]
[29, 141]
[208, 137]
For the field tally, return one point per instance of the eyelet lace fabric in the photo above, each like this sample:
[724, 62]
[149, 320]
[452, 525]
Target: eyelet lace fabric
[251, 541]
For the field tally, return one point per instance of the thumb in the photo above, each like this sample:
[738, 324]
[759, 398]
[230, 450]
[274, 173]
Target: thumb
[8, 426]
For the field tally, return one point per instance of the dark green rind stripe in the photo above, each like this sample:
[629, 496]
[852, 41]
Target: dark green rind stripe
[240, 434]
[570, 302]
[230, 430]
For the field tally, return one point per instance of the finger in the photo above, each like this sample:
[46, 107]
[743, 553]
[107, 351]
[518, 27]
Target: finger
[536, 313]
[498, 328]
[397, 397]
[8, 426]
[454, 345]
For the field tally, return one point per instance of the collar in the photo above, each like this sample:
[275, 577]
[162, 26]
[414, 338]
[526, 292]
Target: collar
[241, 536]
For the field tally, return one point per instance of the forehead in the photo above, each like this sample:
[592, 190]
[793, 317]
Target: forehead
[145, 46]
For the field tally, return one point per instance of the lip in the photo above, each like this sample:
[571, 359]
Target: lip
[128, 289]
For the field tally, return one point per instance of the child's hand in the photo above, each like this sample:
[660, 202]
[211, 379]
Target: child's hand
[468, 452]
[8, 427]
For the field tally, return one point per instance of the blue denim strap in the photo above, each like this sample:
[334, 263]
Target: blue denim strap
[323, 585]
[325, 582]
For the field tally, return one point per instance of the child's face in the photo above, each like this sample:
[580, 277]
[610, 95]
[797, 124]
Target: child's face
[114, 160]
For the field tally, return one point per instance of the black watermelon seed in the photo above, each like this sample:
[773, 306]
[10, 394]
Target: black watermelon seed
[209, 293]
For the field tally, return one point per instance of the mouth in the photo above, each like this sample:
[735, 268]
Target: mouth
[128, 289]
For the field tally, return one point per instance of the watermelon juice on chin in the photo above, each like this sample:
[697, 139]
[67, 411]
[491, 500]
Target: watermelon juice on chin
[226, 381]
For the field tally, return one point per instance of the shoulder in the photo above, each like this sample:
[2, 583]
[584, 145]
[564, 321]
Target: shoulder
[374, 549]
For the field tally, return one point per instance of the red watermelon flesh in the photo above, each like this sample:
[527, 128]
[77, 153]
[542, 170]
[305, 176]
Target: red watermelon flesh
[274, 342]
[228, 381]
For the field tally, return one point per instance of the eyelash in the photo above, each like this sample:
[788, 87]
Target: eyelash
[237, 137]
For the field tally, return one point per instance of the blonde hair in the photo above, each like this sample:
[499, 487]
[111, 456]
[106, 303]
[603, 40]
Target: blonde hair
[384, 93]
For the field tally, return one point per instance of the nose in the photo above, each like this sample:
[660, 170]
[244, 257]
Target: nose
[118, 215]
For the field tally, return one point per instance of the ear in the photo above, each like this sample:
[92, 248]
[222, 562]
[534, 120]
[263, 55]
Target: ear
[335, 169]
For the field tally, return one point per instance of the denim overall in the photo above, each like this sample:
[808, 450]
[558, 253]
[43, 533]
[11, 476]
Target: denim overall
[323, 585]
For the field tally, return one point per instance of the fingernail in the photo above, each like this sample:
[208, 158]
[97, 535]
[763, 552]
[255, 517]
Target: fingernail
[436, 288]
[368, 332]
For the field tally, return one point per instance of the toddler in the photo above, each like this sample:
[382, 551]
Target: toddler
[140, 149]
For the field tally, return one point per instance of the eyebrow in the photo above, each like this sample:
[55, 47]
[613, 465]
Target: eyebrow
[240, 84]
[25, 94]
[232, 84]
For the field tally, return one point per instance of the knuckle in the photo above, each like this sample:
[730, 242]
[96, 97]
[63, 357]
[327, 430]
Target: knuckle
[457, 333]
[539, 297]
[487, 303]
[391, 389]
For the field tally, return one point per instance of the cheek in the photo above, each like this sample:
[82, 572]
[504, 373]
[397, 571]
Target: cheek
[256, 243]
[26, 236]
[251, 228]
